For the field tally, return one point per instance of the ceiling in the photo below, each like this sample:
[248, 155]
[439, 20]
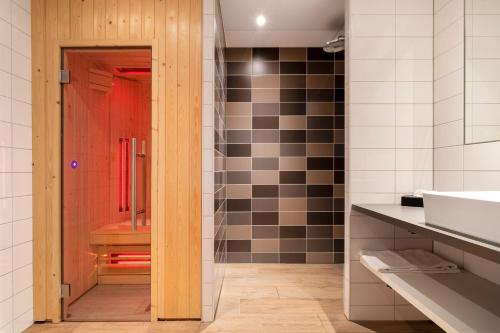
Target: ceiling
[290, 23]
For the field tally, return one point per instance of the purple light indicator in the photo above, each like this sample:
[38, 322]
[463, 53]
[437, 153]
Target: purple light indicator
[74, 164]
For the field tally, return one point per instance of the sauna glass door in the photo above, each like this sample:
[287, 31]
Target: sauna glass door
[106, 227]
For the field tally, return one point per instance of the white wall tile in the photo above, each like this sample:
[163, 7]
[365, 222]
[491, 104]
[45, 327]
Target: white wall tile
[373, 25]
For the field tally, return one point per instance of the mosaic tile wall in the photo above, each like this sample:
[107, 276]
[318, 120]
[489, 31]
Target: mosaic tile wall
[285, 155]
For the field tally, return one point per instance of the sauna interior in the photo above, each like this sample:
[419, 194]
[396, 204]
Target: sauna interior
[106, 120]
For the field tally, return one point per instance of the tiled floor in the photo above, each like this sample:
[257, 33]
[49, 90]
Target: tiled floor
[260, 298]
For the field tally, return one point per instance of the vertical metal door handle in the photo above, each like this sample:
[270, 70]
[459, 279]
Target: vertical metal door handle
[144, 181]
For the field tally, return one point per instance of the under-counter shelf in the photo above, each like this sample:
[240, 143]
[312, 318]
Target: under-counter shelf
[413, 219]
[457, 302]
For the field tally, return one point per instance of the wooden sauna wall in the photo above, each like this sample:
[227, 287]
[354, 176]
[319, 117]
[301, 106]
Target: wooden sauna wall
[174, 30]
[94, 120]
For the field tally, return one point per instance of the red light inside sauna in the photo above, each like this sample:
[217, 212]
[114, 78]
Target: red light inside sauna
[127, 172]
[135, 259]
[120, 178]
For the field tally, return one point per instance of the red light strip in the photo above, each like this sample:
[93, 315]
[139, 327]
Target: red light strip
[127, 173]
[120, 177]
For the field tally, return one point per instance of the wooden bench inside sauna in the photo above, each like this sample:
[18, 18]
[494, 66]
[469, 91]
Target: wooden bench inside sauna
[123, 255]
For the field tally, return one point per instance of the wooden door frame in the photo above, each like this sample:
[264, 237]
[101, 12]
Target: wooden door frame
[47, 181]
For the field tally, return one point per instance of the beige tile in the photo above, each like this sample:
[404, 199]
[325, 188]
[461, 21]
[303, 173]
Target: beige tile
[293, 163]
[293, 204]
[293, 122]
[238, 109]
[239, 163]
[238, 123]
[293, 218]
[293, 54]
[239, 191]
[265, 205]
[265, 150]
[265, 177]
[265, 245]
[239, 232]
[265, 95]
[266, 81]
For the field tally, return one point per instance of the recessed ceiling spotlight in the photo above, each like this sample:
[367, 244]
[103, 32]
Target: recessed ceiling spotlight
[261, 20]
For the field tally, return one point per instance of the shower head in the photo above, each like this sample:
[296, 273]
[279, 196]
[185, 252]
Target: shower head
[335, 45]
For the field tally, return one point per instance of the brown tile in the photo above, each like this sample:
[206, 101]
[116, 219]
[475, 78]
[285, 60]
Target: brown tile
[265, 177]
[320, 81]
[238, 177]
[292, 177]
[239, 257]
[265, 191]
[292, 149]
[338, 191]
[265, 95]
[293, 109]
[293, 95]
[338, 136]
[320, 245]
[265, 258]
[265, 136]
[293, 218]
[238, 54]
[292, 122]
[239, 191]
[292, 258]
[265, 54]
[319, 258]
[265, 232]
[239, 95]
[320, 109]
[297, 67]
[320, 231]
[239, 81]
[265, 245]
[239, 136]
[265, 163]
[292, 245]
[265, 205]
[320, 204]
[239, 205]
[266, 81]
[239, 68]
[265, 122]
[293, 191]
[292, 81]
[292, 232]
[239, 232]
[265, 109]
[239, 218]
[238, 109]
[239, 150]
[319, 149]
[265, 218]
[238, 123]
[338, 231]
[293, 163]
[265, 150]
[239, 163]
[293, 54]
[293, 204]
[319, 177]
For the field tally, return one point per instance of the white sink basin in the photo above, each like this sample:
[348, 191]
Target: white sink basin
[475, 214]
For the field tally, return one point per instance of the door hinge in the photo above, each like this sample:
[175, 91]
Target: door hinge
[65, 290]
[64, 76]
